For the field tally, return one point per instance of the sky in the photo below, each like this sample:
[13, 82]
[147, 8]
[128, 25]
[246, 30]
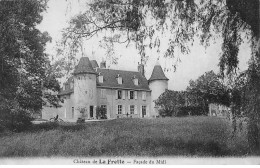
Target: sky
[192, 65]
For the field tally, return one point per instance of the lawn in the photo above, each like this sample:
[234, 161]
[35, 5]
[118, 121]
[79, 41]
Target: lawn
[183, 136]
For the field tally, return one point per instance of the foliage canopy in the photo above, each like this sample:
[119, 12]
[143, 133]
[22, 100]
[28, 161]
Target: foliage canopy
[25, 71]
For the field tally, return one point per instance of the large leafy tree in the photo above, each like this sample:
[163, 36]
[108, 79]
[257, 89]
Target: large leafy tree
[138, 21]
[170, 102]
[25, 70]
[143, 22]
[207, 89]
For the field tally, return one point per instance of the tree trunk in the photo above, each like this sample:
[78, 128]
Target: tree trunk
[253, 137]
[254, 102]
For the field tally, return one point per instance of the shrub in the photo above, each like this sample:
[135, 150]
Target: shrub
[170, 102]
[2, 127]
[15, 120]
[191, 110]
[164, 113]
[80, 120]
[101, 113]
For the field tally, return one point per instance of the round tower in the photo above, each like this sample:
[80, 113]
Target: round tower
[158, 83]
[85, 90]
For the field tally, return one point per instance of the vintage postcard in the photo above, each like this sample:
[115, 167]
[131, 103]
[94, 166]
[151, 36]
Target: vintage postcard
[129, 82]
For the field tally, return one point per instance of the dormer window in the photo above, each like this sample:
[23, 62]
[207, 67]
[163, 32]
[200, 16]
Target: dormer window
[119, 79]
[100, 78]
[135, 80]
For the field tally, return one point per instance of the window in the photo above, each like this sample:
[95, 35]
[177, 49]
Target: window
[91, 111]
[103, 93]
[72, 112]
[119, 109]
[135, 80]
[119, 79]
[119, 94]
[143, 95]
[132, 109]
[100, 78]
[143, 110]
[131, 94]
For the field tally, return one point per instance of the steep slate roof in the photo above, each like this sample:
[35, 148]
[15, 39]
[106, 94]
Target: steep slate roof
[94, 64]
[67, 90]
[110, 79]
[158, 73]
[84, 66]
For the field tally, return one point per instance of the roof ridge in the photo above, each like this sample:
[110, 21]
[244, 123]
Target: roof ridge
[118, 70]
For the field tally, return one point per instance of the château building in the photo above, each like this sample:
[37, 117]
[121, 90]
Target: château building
[121, 93]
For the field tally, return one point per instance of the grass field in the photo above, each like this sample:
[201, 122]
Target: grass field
[184, 136]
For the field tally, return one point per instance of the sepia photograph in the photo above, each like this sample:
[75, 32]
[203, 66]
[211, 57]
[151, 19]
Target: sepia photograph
[130, 82]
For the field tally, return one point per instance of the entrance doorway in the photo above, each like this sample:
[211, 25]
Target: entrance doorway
[143, 111]
[72, 112]
[91, 111]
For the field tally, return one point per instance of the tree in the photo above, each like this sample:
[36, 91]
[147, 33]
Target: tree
[240, 16]
[245, 99]
[24, 66]
[101, 113]
[130, 20]
[208, 89]
[170, 102]
[137, 21]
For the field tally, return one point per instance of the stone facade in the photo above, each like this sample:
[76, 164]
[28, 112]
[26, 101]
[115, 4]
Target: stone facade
[121, 93]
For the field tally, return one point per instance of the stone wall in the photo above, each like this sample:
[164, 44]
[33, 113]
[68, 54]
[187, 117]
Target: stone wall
[111, 101]
[158, 87]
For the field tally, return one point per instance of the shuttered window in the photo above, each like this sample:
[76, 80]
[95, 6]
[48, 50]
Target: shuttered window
[119, 109]
[72, 112]
[119, 94]
[132, 109]
[131, 94]
[144, 110]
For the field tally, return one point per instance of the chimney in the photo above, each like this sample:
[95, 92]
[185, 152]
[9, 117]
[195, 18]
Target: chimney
[103, 64]
[141, 68]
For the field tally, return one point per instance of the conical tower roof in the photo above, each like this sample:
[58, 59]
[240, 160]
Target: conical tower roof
[158, 73]
[84, 66]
